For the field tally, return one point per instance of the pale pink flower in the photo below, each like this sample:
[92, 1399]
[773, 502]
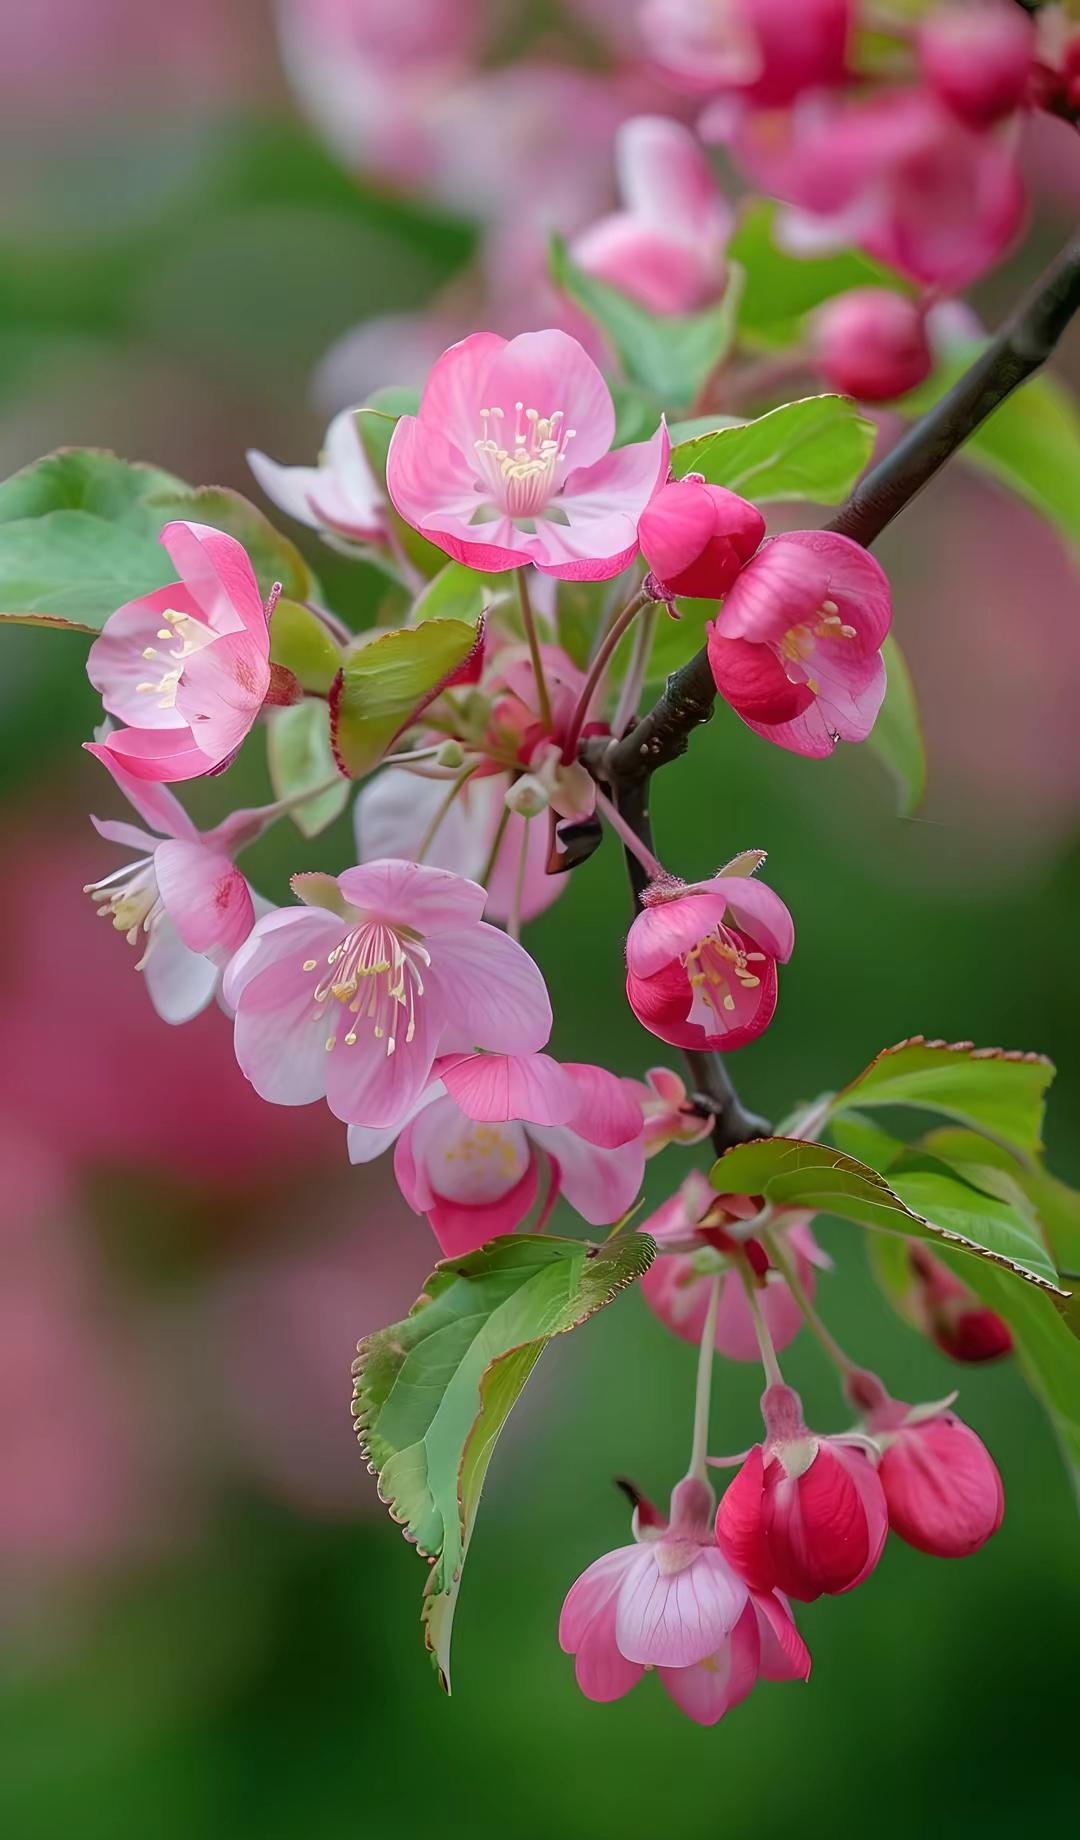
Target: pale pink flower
[977, 57]
[766, 52]
[665, 248]
[796, 647]
[187, 668]
[696, 537]
[351, 997]
[806, 1514]
[701, 959]
[673, 1603]
[182, 902]
[941, 1485]
[671, 1116]
[690, 1230]
[488, 1128]
[339, 497]
[509, 460]
[872, 343]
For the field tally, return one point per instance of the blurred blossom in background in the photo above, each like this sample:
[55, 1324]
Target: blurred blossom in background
[218, 225]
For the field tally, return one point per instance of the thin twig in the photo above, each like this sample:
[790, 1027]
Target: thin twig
[528, 621]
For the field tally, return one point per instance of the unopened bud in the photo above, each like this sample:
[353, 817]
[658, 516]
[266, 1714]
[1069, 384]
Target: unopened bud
[696, 537]
[872, 344]
[977, 58]
[528, 796]
[451, 754]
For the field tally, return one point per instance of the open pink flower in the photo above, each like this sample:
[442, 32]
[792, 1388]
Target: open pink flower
[691, 1237]
[339, 496]
[472, 1155]
[187, 668]
[670, 1114]
[183, 901]
[696, 537]
[796, 647]
[665, 248]
[941, 1485]
[509, 460]
[673, 1603]
[701, 959]
[353, 995]
[805, 1515]
[765, 51]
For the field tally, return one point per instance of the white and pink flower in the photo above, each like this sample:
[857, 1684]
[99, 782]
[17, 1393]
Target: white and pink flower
[340, 497]
[671, 1117]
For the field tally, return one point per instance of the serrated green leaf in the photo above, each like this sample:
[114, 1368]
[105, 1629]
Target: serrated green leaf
[272, 556]
[302, 642]
[299, 755]
[383, 686]
[897, 736]
[1000, 1093]
[433, 1392]
[814, 449]
[781, 288]
[670, 356]
[458, 593]
[923, 1201]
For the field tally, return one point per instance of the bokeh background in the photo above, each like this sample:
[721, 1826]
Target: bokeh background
[215, 227]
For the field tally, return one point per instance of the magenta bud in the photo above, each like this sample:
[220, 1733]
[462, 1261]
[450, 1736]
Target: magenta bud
[872, 344]
[696, 537]
[977, 58]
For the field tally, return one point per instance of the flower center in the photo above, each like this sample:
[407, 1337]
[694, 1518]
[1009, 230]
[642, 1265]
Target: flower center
[130, 899]
[481, 1163]
[800, 642]
[188, 635]
[523, 477]
[375, 975]
[717, 964]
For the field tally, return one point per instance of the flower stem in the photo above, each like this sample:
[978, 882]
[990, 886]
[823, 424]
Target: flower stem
[769, 1362]
[528, 621]
[786, 1265]
[628, 837]
[460, 779]
[619, 625]
[513, 924]
[630, 692]
[702, 1393]
[496, 842]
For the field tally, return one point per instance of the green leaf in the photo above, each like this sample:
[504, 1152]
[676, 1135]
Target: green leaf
[670, 356]
[924, 1201]
[814, 448]
[1000, 1093]
[302, 642]
[676, 641]
[433, 1392]
[383, 686]
[273, 557]
[781, 288]
[299, 755]
[897, 737]
[458, 593]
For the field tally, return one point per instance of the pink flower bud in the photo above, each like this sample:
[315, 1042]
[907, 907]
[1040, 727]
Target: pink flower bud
[805, 1515]
[977, 58]
[696, 537]
[952, 1315]
[941, 1485]
[872, 344]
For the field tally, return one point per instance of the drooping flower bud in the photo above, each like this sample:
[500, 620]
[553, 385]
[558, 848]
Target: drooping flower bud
[872, 344]
[696, 537]
[941, 1485]
[962, 1326]
[977, 57]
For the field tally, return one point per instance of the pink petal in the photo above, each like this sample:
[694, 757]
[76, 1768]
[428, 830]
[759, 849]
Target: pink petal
[784, 1654]
[740, 1527]
[759, 913]
[460, 1227]
[550, 371]
[676, 1619]
[284, 934]
[784, 585]
[586, 1598]
[599, 1184]
[216, 569]
[156, 806]
[434, 487]
[753, 681]
[411, 894]
[153, 754]
[289, 487]
[943, 1490]
[180, 982]
[491, 993]
[394, 812]
[366, 1142]
[662, 1002]
[665, 176]
[458, 388]
[826, 1529]
[600, 1671]
[222, 690]
[709, 1689]
[367, 1085]
[606, 1113]
[667, 930]
[676, 528]
[114, 830]
[602, 503]
[116, 663]
[663, 270]
[531, 892]
[494, 1087]
[205, 896]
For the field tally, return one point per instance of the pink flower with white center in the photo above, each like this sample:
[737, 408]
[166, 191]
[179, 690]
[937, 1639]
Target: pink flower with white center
[351, 997]
[187, 668]
[701, 958]
[665, 248]
[690, 1231]
[941, 1485]
[472, 1154]
[696, 537]
[509, 460]
[672, 1602]
[977, 57]
[805, 1515]
[796, 648]
[671, 1116]
[339, 497]
[183, 901]
[766, 52]
[872, 344]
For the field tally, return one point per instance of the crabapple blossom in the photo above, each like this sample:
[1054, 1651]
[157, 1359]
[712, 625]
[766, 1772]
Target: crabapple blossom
[509, 460]
[941, 1485]
[976, 56]
[796, 647]
[665, 248]
[701, 958]
[690, 1234]
[696, 537]
[672, 1602]
[187, 668]
[183, 901]
[806, 1514]
[472, 1154]
[339, 497]
[766, 52]
[872, 344]
[351, 996]
[956, 1319]
[671, 1116]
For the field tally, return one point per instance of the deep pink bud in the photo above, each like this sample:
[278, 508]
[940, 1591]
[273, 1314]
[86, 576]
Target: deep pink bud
[977, 58]
[941, 1485]
[805, 1515]
[952, 1315]
[696, 537]
[872, 344]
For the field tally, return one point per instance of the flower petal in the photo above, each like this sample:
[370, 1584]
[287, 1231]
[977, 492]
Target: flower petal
[205, 895]
[587, 1597]
[129, 654]
[740, 1530]
[492, 993]
[606, 1113]
[458, 388]
[411, 894]
[600, 1671]
[496, 1087]
[551, 372]
[180, 982]
[677, 1618]
[218, 572]
[155, 805]
[599, 1184]
[709, 1689]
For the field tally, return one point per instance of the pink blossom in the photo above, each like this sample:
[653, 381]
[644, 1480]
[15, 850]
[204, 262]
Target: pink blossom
[183, 901]
[691, 1237]
[696, 537]
[672, 1602]
[339, 496]
[701, 959]
[977, 58]
[482, 1135]
[671, 1116]
[188, 666]
[665, 248]
[872, 344]
[351, 996]
[962, 1326]
[765, 51]
[805, 1515]
[509, 460]
[941, 1485]
[796, 647]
